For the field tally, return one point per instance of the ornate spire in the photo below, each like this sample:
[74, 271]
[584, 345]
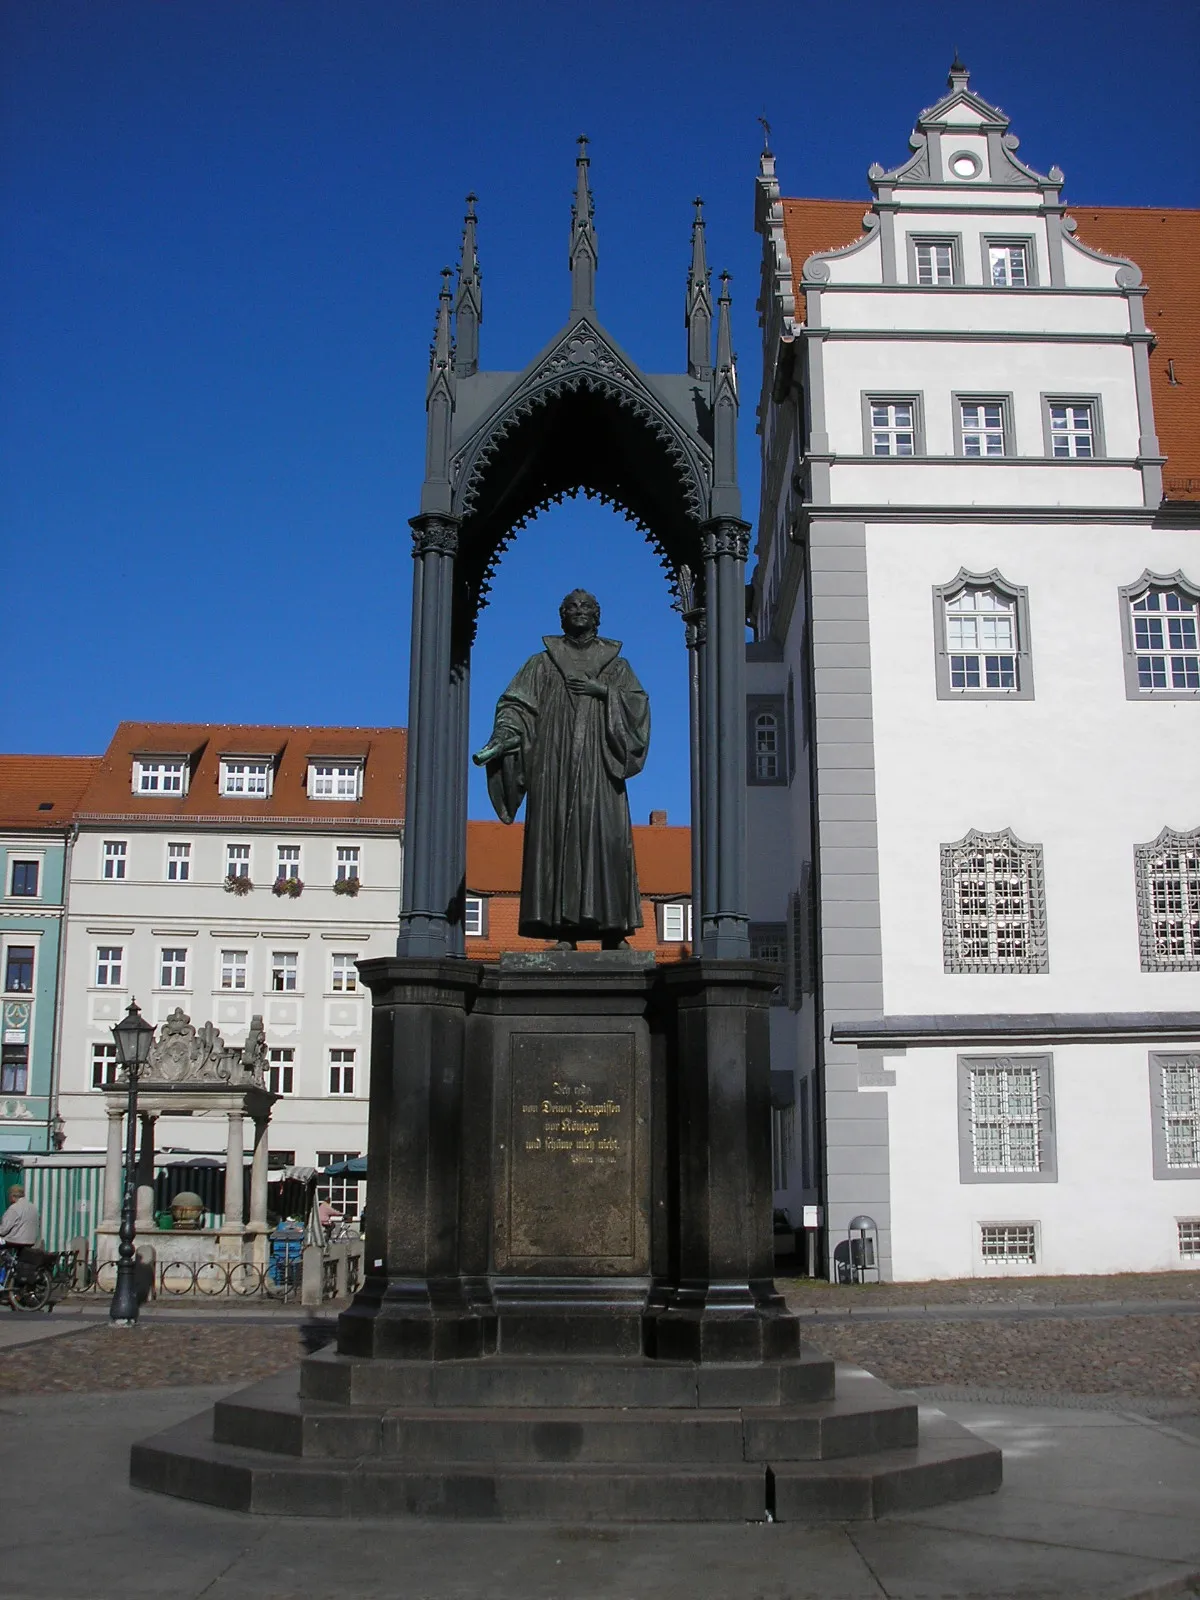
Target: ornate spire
[441, 353]
[959, 77]
[439, 407]
[468, 303]
[584, 254]
[698, 316]
[726, 500]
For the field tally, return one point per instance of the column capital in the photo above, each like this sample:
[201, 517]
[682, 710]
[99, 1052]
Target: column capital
[434, 534]
[725, 536]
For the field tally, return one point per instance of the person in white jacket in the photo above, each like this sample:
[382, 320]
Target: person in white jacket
[20, 1226]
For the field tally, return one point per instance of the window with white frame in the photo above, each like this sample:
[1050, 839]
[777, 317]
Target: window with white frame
[982, 427]
[1008, 1243]
[347, 863]
[160, 776]
[893, 427]
[1007, 1126]
[1168, 898]
[766, 746]
[18, 969]
[344, 979]
[281, 1070]
[1163, 638]
[333, 780]
[1008, 264]
[475, 916]
[179, 863]
[234, 966]
[172, 967]
[1071, 430]
[934, 262]
[24, 878]
[676, 919]
[768, 942]
[105, 1068]
[14, 1069]
[110, 965]
[1188, 1234]
[237, 860]
[768, 739]
[982, 625]
[252, 778]
[287, 861]
[341, 1071]
[284, 969]
[993, 904]
[115, 856]
[342, 1193]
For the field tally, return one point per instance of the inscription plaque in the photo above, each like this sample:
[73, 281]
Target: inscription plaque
[571, 1167]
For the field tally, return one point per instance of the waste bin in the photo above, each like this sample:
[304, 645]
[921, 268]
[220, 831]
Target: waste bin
[287, 1245]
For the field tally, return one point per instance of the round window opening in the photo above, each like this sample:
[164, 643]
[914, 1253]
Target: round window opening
[965, 165]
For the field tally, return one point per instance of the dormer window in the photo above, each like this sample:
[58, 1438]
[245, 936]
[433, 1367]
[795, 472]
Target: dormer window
[246, 777]
[334, 780]
[154, 775]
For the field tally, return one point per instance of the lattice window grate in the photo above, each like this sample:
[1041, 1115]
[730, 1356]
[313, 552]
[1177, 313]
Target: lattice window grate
[1168, 881]
[1189, 1238]
[1181, 1112]
[1004, 1119]
[1012, 1242]
[993, 905]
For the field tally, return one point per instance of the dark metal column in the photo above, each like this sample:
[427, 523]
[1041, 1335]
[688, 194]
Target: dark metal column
[726, 918]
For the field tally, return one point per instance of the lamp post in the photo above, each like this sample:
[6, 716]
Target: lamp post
[134, 1036]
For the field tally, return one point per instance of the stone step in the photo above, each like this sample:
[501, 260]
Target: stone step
[527, 1381]
[949, 1464]
[271, 1416]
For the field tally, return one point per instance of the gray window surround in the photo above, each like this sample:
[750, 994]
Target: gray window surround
[1130, 592]
[954, 240]
[1016, 592]
[988, 398]
[1028, 244]
[773, 705]
[891, 398]
[1092, 401]
[1047, 1142]
[1037, 960]
[1144, 855]
[773, 934]
[1159, 1059]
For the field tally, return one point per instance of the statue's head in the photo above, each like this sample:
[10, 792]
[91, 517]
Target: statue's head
[579, 612]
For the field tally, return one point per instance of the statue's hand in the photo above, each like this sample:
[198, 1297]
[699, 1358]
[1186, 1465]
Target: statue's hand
[490, 752]
[592, 686]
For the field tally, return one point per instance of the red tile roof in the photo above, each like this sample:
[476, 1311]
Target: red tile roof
[1165, 244]
[110, 793]
[42, 791]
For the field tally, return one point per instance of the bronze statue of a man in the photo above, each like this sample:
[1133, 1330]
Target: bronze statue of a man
[571, 727]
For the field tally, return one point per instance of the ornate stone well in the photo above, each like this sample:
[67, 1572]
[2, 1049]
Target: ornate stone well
[190, 1071]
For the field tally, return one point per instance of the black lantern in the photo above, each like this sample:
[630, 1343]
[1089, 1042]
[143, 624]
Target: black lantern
[133, 1036]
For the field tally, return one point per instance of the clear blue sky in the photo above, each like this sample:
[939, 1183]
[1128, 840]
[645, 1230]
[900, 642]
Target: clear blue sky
[222, 225]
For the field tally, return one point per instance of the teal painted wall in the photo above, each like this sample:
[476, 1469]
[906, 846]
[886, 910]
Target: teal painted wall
[24, 1119]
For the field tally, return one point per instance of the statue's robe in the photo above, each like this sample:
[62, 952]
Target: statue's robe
[575, 751]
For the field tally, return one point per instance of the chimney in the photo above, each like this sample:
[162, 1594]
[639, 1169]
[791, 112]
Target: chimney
[658, 819]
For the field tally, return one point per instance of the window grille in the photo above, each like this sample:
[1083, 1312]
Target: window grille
[783, 1145]
[284, 967]
[233, 969]
[1011, 1242]
[473, 916]
[179, 863]
[1166, 640]
[237, 861]
[105, 1067]
[345, 973]
[982, 427]
[347, 862]
[109, 962]
[1181, 1112]
[935, 262]
[993, 905]
[981, 639]
[341, 1193]
[1189, 1238]
[1168, 882]
[1004, 1118]
[893, 429]
[173, 969]
[1009, 266]
[114, 858]
[1072, 431]
[281, 1072]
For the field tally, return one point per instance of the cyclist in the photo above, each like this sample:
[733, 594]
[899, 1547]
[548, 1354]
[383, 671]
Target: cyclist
[20, 1226]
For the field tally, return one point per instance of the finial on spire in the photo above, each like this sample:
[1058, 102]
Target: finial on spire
[698, 312]
[584, 254]
[442, 353]
[468, 305]
[724, 328]
[766, 128]
[959, 76]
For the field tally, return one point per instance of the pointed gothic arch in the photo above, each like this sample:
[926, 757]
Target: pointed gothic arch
[581, 417]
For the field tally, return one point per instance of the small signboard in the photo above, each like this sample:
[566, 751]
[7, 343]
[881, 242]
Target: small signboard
[812, 1216]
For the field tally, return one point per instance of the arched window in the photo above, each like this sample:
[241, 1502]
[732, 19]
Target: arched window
[993, 904]
[1168, 889]
[982, 627]
[1160, 619]
[767, 740]
[766, 747]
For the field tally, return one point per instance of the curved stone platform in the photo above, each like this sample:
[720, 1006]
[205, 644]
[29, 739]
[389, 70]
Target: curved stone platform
[616, 1440]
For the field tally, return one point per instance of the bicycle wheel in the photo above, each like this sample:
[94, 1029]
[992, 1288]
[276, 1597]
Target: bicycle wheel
[31, 1295]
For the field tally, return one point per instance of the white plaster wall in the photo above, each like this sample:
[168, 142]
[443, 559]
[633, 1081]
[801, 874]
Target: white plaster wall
[1106, 1212]
[983, 310]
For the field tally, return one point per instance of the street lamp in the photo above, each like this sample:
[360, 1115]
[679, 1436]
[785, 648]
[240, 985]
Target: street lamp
[134, 1036]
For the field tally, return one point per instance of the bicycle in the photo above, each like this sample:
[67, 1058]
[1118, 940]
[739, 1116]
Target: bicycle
[27, 1283]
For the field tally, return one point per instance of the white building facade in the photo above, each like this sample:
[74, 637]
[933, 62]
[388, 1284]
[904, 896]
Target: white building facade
[974, 705]
[233, 872]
